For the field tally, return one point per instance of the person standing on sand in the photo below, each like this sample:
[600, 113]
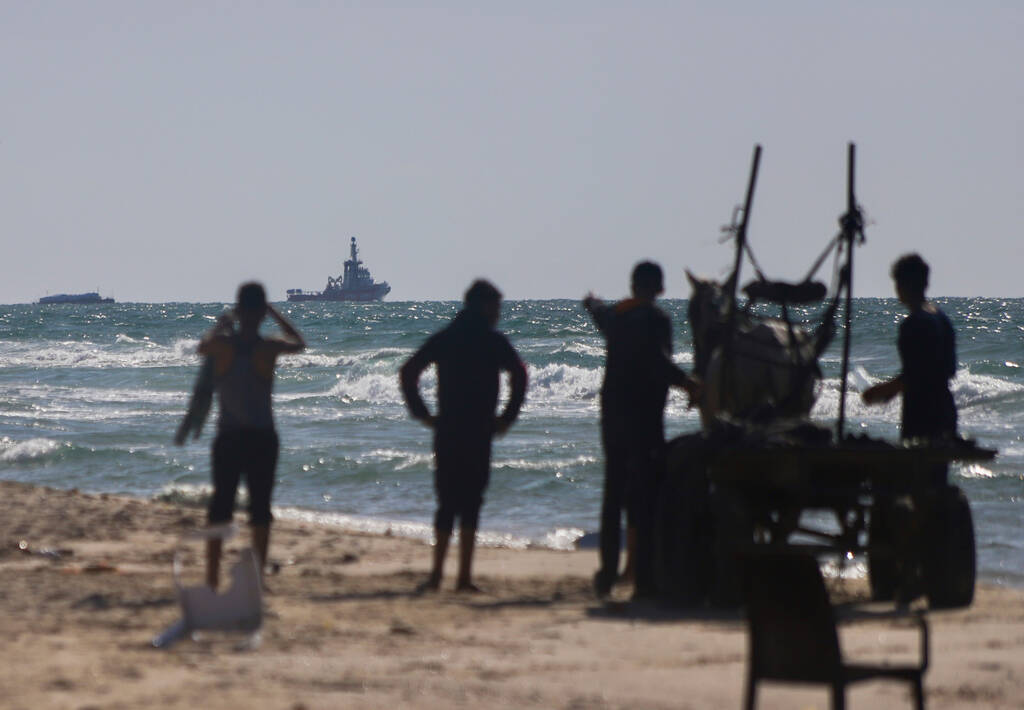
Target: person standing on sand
[927, 347]
[638, 373]
[470, 355]
[246, 441]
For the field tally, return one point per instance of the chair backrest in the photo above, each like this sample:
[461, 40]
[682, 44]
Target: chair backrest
[239, 608]
[792, 627]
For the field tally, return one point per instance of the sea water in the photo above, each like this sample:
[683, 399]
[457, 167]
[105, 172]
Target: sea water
[90, 397]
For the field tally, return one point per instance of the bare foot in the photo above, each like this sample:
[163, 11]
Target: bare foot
[429, 585]
[467, 587]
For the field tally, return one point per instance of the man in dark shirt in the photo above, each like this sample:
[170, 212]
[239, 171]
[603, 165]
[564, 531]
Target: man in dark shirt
[638, 373]
[470, 355]
[927, 347]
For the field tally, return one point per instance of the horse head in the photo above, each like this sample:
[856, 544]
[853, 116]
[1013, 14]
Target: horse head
[707, 312]
[768, 370]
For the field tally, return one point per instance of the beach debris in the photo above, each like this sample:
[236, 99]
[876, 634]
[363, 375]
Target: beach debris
[53, 553]
[99, 568]
[93, 602]
[91, 568]
[402, 628]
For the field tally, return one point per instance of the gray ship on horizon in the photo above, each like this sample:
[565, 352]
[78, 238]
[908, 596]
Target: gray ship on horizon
[354, 284]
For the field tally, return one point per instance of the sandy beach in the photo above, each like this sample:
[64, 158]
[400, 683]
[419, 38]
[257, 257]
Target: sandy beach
[85, 584]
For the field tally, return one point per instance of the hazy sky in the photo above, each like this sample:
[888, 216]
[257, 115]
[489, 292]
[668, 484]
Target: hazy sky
[167, 151]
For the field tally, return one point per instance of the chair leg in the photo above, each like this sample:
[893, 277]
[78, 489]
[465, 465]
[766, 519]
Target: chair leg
[919, 693]
[838, 696]
[750, 695]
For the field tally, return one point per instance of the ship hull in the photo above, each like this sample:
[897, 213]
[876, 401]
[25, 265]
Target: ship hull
[376, 293]
[75, 298]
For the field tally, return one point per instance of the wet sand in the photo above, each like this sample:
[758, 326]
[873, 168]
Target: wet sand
[345, 628]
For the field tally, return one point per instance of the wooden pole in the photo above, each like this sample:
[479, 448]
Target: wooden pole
[852, 225]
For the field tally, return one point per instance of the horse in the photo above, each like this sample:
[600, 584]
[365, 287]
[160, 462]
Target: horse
[764, 369]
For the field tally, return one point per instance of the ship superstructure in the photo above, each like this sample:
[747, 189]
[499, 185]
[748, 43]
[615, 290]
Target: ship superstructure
[354, 284]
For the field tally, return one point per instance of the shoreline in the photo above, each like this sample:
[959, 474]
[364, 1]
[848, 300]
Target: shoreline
[345, 628]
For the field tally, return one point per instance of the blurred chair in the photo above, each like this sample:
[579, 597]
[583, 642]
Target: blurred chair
[239, 608]
[793, 634]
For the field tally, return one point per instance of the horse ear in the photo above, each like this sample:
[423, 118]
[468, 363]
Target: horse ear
[694, 282]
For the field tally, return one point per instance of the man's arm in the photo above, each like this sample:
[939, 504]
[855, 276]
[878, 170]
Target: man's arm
[293, 341]
[883, 391]
[518, 379]
[598, 310]
[409, 376]
[217, 337]
[669, 370]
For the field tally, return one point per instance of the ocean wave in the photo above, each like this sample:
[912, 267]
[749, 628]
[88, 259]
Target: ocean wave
[374, 387]
[12, 451]
[186, 494]
[560, 383]
[88, 355]
[191, 495]
[558, 539]
[401, 460]
[975, 470]
[970, 390]
[546, 464]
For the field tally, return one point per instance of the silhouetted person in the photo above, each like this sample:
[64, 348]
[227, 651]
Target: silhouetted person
[246, 442]
[638, 373]
[927, 347]
[470, 355]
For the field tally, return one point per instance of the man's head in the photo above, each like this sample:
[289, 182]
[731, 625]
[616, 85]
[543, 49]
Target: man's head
[910, 272]
[251, 303]
[647, 280]
[483, 298]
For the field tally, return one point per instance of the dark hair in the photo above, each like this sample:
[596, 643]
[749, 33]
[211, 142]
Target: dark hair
[911, 272]
[481, 293]
[251, 296]
[647, 277]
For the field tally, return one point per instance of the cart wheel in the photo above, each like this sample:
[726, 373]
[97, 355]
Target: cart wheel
[949, 560]
[681, 539]
[883, 567]
[733, 531]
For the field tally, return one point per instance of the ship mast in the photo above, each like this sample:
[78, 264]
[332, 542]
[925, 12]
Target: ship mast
[351, 266]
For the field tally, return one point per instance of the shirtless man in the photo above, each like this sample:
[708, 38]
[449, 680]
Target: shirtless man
[246, 441]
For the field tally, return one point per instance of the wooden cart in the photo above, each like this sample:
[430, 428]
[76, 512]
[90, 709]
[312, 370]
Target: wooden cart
[891, 504]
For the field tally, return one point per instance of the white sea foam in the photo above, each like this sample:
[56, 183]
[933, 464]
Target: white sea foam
[195, 495]
[543, 464]
[398, 460]
[378, 388]
[124, 353]
[562, 539]
[12, 451]
[561, 383]
[970, 390]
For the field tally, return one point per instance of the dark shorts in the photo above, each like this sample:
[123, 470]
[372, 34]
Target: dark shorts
[252, 452]
[462, 472]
